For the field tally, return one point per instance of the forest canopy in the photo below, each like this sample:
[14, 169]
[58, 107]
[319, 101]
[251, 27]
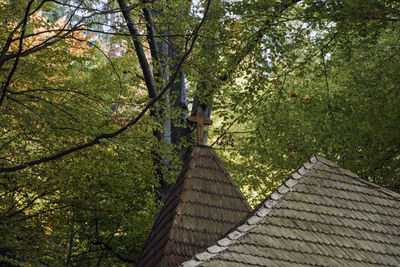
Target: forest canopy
[94, 96]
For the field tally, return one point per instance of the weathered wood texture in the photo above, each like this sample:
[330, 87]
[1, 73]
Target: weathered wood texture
[203, 206]
[322, 215]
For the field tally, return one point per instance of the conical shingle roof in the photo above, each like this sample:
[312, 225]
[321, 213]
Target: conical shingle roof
[203, 206]
[322, 215]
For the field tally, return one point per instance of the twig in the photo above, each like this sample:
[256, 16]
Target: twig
[100, 137]
[21, 41]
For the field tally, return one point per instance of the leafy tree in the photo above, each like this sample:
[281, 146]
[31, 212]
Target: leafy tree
[76, 210]
[95, 94]
[329, 87]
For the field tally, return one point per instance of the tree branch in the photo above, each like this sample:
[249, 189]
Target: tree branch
[20, 47]
[100, 137]
[10, 36]
[109, 248]
[151, 33]
[262, 96]
[151, 87]
[257, 37]
[47, 42]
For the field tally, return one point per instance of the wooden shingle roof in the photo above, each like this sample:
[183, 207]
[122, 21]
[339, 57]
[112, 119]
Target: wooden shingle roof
[322, 215]
[203, 206]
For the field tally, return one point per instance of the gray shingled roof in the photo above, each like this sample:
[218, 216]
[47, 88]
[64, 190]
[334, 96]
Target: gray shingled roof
[322, 215]
[203, 206]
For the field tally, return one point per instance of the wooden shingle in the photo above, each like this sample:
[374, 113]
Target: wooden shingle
[324, 216]
[203, 206]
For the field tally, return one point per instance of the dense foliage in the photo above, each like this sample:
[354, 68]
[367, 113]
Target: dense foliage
[92, 129]
[328, 83]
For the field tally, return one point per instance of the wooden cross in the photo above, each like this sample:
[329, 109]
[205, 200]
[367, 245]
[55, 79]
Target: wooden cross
[201, 121]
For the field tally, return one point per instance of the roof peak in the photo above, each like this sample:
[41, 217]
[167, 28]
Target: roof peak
[262, 211]
[200, 121]
[203, 206]
[259, 213]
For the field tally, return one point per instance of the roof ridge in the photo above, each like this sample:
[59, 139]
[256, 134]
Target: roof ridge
[256, 216]
[230, 180]
[180, 182]
[184, 205]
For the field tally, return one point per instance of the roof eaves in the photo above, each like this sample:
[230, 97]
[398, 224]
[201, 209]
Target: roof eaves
[258, 215]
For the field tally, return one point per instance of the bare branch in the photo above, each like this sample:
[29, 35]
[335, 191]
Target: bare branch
[10, 36]
[51, 104]
[100, 137]
[21, 41]
[28, 108]
[46, 90]
[109, 248]
[58, 37]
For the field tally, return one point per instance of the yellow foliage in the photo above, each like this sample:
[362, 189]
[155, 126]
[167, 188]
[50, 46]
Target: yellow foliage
[44, 31]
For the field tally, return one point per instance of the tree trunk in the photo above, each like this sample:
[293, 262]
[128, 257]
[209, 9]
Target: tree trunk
[166, 52]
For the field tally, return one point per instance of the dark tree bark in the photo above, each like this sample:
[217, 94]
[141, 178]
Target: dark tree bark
[165, 55]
